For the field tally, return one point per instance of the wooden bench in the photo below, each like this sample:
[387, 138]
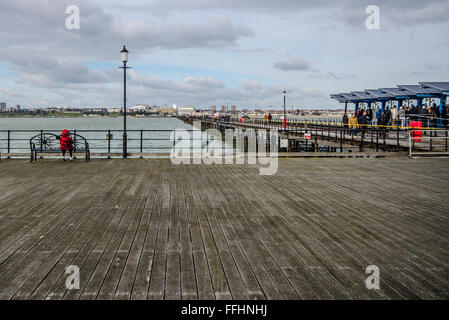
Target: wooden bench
[48, 143]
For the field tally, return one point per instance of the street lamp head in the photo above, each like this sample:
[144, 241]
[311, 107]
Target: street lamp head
[124, 54]
[284, 93]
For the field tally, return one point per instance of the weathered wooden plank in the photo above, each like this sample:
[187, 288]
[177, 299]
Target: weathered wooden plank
[143, 229]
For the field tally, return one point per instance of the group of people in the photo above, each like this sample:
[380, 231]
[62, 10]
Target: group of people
[358, 120]
[430, 116]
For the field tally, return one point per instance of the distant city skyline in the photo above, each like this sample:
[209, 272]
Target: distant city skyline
[216, 52]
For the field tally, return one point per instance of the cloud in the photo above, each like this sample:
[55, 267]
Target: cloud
[427, 12]
[214, 32]
[310, 92]
[250, 85]
[293, 64]
[349, 12]
[202, 83]
[202, 91]
[11, 93]
[188, 84]
[43, 53]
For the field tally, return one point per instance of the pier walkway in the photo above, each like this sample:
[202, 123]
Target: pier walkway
[148, 229]
[433, 141]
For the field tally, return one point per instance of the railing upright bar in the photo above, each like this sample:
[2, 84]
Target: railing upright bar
[397, 136]
[9, 141]
[141, 141]
[445, 141]
[430, 141]
[109, 143]
[377, 139]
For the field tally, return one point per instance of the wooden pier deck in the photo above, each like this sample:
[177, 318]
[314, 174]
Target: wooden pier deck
[148, 229]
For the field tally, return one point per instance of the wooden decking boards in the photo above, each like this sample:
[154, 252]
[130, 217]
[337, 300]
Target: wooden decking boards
[148, 229]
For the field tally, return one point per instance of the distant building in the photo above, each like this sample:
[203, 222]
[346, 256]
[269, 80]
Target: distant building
[223, 108]
[213, 109]
[139, 107]
[167, 110]
[17, 108]
[2, 106]
[233, 109]
[185, 110]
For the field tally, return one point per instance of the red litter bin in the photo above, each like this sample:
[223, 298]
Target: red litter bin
[284, 123]
[416, 134]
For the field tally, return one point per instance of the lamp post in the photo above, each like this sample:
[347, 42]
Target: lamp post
[124, 55]
[285, 119]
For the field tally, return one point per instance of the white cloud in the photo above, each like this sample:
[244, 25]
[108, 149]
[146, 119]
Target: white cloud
[215, 31]
[250, 84]
[293, 64]
[310, 92]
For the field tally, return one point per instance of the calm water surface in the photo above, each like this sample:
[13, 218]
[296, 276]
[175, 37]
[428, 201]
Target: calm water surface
[153, 141]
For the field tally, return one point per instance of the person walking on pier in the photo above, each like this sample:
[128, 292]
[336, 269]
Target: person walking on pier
[66, 144]
[363, 122]
[353, 124]
[369, 115]
[378, 114]
[402, 116]
[388, 116]
[434, 114]
[423, 115]
[382, 124]
[394, 116]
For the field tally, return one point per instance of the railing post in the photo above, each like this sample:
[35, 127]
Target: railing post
[397, 136]
[446, 140]
[175, 139]
[40, 140]
[9, 143]
[341, 141]
[430, 141]
[141, 144]
[361, 143]
[377, 139]
[109, 144]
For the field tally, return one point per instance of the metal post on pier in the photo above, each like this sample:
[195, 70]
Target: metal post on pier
[9, 143]
[361, 142]
[141, 144]
[40, 140]
[124, 56]
[341, 141]
[285, 116]
[109, 144]
[430, 141]
[445, 141]
[397, 136]
[377, 139]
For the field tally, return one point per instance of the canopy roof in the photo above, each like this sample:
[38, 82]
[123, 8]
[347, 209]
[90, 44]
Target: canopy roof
[443, 86]
[424, 89]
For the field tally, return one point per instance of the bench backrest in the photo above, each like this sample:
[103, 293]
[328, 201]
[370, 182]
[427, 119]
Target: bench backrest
[49, 142]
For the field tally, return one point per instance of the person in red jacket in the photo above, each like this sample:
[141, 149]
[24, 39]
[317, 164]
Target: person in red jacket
[66, 143]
